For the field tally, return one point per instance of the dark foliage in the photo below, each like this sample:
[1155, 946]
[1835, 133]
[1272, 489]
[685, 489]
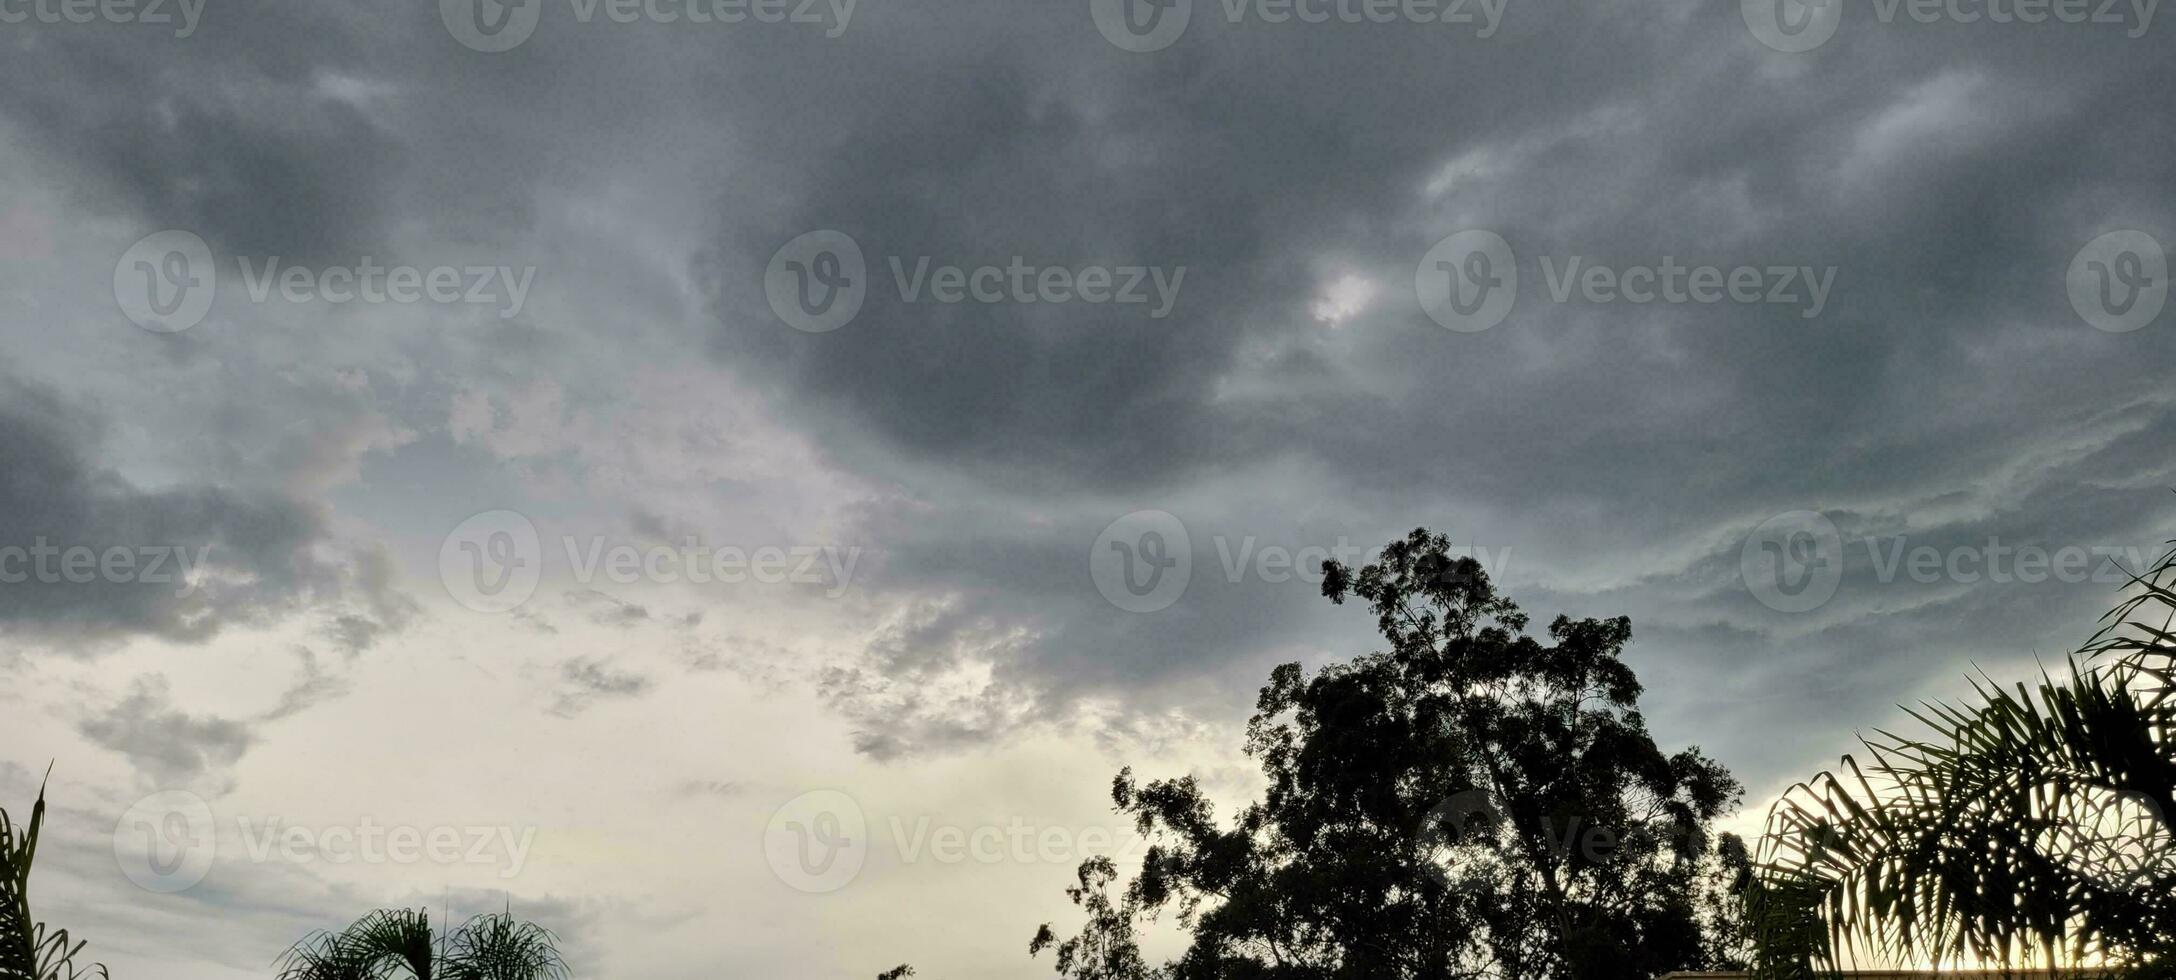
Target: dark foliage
[1471, 802]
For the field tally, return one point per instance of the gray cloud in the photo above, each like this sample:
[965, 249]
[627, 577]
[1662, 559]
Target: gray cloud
[1946, 386]
[168, 746]
[586, 680]
[172, 748]
[200, 558]
[1618, 454]
[714, 788]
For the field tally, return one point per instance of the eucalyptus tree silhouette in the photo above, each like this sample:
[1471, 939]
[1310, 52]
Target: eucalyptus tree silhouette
[28, 950]
[400, 944]
[1470, 803]
[2028, 827]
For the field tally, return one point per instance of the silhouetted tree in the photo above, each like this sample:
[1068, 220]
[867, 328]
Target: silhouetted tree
[2025, 827]
[1471, 802]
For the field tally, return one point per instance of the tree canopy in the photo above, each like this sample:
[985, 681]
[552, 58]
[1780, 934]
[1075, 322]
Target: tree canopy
[1471, 802]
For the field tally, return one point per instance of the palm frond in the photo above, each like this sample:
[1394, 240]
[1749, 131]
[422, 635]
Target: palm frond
[392, 938]
[323, 956]
[499, 947]
[28, 950]
[399, 944]
[2032, 827]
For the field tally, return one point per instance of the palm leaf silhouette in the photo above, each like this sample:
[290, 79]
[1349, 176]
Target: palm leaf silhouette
[28, 950]
[400, 944]
[2032, 826]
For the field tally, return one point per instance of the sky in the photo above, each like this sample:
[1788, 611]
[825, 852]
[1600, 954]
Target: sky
[732, 482]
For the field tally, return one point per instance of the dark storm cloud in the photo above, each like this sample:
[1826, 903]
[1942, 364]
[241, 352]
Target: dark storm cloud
[180, 563]
[1949, 177]
[226, 133]
[1019, 600]
[1063, 151]
[1948, 174]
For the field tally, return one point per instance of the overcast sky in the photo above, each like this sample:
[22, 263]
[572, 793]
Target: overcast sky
[889, 418]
